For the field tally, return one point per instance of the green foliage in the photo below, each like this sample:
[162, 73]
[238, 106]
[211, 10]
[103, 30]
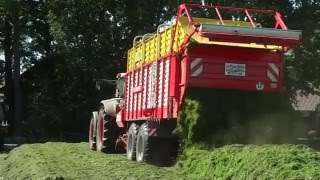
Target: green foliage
[89, 40]
[64, 99]
[251, 162]
[303, 63]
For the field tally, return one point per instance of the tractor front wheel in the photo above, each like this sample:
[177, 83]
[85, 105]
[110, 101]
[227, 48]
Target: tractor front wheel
[92, 134]
[107, 132]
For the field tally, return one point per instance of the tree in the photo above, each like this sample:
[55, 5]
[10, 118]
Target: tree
[303, 64]
[90, 42]
[19, 44]
[78, 42]
[6, 45]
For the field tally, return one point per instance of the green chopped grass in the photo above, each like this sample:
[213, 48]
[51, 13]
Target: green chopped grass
[75, 161]
[252, 162]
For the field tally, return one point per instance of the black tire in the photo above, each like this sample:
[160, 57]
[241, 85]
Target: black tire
[120, 147]
[142, 147]
[1, 143]
[92, 134]
[107, 132]
[163, 151]
[132, 141]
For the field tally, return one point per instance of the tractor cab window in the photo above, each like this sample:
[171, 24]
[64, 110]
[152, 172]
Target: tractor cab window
[120, 87]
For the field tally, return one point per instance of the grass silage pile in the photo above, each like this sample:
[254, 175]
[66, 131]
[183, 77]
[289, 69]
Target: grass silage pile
[75, 161]
[252, 162]
[263, 123]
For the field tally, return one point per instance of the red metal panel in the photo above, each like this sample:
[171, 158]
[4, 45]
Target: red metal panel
[129, 81]
[126, 97]
[166, 87]
[150, 86]
[231, 84]
[174, 88]
[139, 91]
[139, 95]
[134, 106]
[132, 95]
[174, 77]
[263, 68]
[217, 70]
[159, 89]
[211, 61]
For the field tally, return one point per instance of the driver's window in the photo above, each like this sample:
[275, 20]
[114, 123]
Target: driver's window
[120, 87]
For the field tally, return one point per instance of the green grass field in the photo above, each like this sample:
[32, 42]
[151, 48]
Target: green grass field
[76, 161]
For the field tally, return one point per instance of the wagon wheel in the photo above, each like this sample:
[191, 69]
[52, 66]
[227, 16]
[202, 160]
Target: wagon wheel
[143, 144]
[132, 141]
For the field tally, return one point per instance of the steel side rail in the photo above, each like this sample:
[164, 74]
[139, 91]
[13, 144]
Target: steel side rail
[265, 36]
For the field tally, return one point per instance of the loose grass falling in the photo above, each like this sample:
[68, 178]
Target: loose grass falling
[220, 117]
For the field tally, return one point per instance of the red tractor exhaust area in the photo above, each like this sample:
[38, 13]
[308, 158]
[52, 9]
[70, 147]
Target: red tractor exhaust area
[206, 51]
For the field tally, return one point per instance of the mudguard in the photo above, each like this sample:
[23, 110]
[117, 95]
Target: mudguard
[110, 106]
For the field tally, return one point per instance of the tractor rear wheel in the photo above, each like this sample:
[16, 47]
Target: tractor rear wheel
[142, 149]
[120, 147]
[132, 141]
[107, 132]
[92, 134]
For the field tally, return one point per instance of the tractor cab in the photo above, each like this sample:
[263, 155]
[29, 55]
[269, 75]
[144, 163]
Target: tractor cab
[120, 84]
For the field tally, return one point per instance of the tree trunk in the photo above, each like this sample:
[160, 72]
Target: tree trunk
[16, 73]
[8, 89]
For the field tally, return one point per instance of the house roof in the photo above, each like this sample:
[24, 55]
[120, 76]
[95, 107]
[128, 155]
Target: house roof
[306, 103]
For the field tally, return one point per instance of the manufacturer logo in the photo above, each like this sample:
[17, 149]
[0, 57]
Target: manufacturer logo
[260, 86]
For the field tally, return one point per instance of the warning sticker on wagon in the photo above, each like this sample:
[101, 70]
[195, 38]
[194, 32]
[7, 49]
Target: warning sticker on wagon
[232, 69]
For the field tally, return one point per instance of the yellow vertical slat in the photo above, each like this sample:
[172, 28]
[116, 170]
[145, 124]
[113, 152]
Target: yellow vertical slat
[147, 50]
[154, 47]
